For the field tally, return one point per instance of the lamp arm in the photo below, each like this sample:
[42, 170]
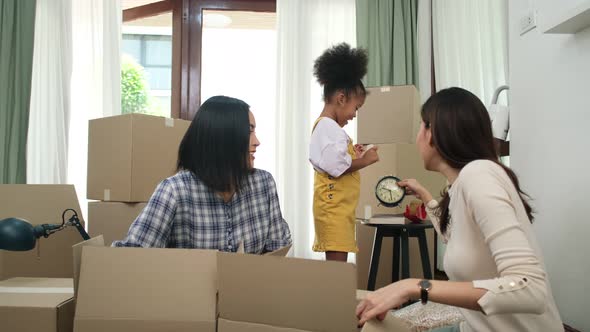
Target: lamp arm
[74, 221]
[47, 229]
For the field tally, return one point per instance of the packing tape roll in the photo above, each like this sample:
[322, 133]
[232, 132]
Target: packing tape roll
[107, 195]
[45, 290]
[169, 122]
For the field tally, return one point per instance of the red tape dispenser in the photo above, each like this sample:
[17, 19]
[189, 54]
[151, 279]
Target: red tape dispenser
[416, 211]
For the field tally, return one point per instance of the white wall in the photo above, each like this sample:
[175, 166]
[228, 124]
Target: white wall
[550, 147]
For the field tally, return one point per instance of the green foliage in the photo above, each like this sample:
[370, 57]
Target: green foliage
[134, 87]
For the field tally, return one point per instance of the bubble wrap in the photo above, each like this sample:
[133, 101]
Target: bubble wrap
[430, 316]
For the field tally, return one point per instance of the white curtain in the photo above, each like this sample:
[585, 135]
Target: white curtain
[424, 49]
[471, 45]
[470, 51]
[96, 79]
[305, 29]
[50, 93]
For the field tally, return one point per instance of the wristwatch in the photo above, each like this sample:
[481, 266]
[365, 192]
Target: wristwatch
[425, 286]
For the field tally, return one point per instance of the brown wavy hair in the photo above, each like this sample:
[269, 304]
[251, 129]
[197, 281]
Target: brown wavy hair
[461, 133]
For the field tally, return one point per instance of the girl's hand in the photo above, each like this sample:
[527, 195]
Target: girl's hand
[358, 150]
[414, 187]
[371, 156]
[378, 303]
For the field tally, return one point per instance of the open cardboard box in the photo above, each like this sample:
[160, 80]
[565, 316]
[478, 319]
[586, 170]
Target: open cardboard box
[40, 204]
[36, 305]
[139, 289]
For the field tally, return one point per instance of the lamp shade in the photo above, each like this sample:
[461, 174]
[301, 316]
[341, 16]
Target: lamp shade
[17, 235]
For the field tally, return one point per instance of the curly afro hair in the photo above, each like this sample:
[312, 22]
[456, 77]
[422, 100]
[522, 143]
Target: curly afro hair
[341, 68]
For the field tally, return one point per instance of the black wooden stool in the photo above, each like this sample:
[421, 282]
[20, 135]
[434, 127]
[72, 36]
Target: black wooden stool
[400, 234]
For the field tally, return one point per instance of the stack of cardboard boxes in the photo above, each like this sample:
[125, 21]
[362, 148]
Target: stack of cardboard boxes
[390, 119]
[128, 155]
[36, 292]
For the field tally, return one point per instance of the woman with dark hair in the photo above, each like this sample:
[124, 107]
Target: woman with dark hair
[335, 160]
[494, 263]
[217, 199]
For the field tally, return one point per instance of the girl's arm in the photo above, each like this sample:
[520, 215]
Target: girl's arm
[370, 157]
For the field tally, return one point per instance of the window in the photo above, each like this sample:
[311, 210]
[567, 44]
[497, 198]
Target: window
[146, 65]
[239, 60]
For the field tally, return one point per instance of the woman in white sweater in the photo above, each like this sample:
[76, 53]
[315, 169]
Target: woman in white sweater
[496, 270]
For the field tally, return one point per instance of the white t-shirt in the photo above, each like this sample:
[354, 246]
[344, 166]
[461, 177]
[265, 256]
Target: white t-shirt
[328, 148]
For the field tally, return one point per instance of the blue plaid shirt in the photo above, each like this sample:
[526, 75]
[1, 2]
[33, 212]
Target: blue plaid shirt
[184, 213]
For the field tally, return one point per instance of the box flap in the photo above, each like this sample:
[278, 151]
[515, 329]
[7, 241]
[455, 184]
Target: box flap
[35, 292]
[224, 325]
[141, 325]
[65, 316]
[287, 292]
[40, 204]
[149, 285]
[28, 319]
[281, 252]
[77, 253]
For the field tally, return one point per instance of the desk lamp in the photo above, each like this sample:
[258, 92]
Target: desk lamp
[19, 235]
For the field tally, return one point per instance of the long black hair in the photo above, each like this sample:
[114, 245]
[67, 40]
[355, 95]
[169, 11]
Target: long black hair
[341, 68]
[461, 133]
[216, 144]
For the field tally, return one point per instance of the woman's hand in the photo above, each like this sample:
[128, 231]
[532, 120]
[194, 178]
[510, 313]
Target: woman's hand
[414, 187]
[378, 303]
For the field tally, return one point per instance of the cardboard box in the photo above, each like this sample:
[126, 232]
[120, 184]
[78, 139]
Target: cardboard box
[40, 204]
[122, 289]
[403, 161]
[126, 289]
[97, 241]
[390, 114]
[304, 295]
[128, 155]
[36, 305]
[112, 219]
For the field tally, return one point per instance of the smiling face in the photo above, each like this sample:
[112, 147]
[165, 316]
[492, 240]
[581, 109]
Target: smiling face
[254, 142]
[346, 107]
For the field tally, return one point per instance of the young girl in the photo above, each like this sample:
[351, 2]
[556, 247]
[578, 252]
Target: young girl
[335, 160]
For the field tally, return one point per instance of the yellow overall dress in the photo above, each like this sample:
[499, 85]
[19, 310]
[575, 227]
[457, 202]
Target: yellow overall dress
[334, 205]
